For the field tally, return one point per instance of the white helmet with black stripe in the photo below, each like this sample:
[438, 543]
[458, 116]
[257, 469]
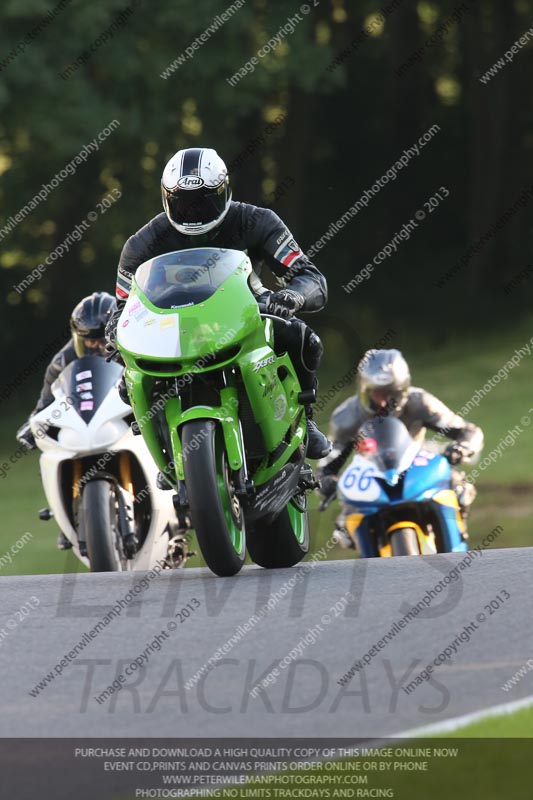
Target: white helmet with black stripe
[196, 190]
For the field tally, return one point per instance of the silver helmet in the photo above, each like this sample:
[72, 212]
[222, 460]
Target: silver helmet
[383, 379]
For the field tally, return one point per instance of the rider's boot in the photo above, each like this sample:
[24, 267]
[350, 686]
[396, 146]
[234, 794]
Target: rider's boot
[305, 349]
[318, 445]
[341, 535]
[162, 482]
[343, 539]
[63, 543]
[466, 494]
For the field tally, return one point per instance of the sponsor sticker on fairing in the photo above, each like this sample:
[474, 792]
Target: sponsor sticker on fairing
[87, 405]
[81, 376]
[84, 387]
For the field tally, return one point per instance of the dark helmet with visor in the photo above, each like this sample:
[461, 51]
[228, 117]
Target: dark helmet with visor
[88, 321]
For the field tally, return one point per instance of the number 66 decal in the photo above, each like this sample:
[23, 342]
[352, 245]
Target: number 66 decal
[358, 482]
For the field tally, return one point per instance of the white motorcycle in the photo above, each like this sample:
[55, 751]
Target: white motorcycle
[100, 479]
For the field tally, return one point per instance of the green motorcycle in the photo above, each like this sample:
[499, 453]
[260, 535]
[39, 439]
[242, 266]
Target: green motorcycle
[221, 413]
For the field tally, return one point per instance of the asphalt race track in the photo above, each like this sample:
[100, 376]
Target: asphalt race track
[305, 698]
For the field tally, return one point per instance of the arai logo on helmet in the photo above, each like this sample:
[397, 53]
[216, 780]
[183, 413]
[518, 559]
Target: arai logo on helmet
[190, 182]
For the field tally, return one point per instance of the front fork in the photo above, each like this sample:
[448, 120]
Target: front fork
[226, 415]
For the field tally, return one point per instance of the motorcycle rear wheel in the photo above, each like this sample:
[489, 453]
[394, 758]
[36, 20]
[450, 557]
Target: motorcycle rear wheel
[283, 542]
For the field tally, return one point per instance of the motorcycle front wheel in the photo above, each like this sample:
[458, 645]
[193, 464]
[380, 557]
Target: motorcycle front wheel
[216, 512]
[100, 520]
[404, 542]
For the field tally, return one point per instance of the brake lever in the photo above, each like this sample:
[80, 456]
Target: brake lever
[111, 356]
[274, 316]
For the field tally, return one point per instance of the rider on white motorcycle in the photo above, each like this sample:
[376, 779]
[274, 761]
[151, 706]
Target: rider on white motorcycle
[383, 388]
[87, 324]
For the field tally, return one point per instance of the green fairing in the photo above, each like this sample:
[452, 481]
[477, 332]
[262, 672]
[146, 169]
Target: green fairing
[228, 319]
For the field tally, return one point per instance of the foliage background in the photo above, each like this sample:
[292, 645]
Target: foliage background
[342, 129]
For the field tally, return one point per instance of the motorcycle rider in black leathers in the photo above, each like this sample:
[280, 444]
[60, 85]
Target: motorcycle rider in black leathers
[199, 212]
[384, 387]
[87, 324]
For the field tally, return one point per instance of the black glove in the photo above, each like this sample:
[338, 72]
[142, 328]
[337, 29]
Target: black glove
[26, 437]
[111, 333]
[285, 303]
[123, 390]
[328, 485]
[457, 453]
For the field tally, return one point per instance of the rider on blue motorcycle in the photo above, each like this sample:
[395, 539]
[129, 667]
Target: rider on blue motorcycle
[383, 388]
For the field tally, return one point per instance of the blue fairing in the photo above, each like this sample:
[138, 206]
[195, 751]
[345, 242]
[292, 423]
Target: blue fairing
[423, 481]
[429, 473]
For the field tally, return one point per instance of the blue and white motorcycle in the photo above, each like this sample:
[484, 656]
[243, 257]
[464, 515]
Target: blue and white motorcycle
[397, 496]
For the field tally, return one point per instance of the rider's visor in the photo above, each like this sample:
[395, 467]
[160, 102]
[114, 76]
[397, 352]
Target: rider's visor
[385, 400]
[198, 206]
[88, 345]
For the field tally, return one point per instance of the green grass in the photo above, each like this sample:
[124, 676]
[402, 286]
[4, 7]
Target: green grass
[518, 725]
[452, 372]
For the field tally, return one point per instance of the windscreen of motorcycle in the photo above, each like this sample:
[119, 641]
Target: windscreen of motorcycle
[86, 383]
[187, 277]
[393, 449]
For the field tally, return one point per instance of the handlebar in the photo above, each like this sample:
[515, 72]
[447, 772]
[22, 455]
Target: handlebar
[264, 315]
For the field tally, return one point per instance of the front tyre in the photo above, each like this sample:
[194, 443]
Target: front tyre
[404, 542]
[283, 542]
[216, 513]
[100, 520]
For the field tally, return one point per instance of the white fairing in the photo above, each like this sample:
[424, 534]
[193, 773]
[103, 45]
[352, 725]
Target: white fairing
[357, 483]
[107, 432]
[144, 332]
[408, 457]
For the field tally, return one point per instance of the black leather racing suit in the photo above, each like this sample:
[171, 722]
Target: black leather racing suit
[59, 362]
[266, 239]
[62, 359]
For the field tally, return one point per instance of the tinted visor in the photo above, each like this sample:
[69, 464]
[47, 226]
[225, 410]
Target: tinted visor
[196, 206]
[89, 345]
[384, 400]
